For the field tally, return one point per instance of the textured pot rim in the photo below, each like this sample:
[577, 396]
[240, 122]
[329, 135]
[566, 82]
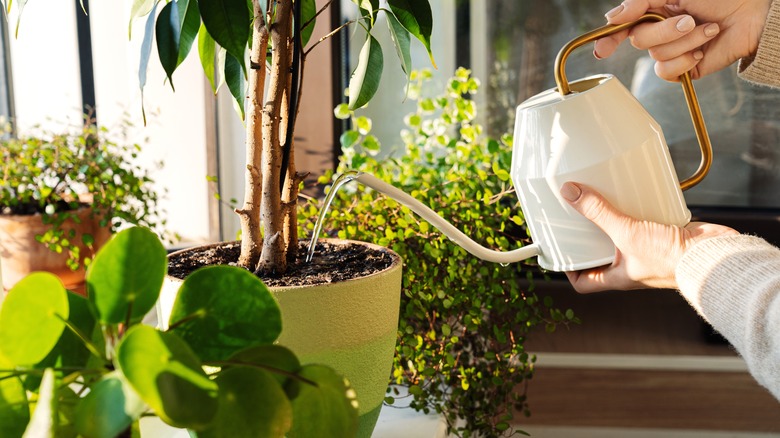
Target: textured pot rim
[395, 264]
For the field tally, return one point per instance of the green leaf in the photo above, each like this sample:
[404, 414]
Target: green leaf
[125, 278]
[139, 9]
[70, 351]
[250, 399]
[365, 79]
[349, 138]
[342, 111]
[416, 17]
[401, 41]
[308, 12]
[223, 309]
[368, 9]
[329, 409]
[167, 375]
[32, 318]
[234, 77]
[207, 50]
[146, 53]
[189, 24]
[168, 34]
[228, 22]
[371, 143]
[109, 408]
[14, 410]
[43, 423]
[269, 357]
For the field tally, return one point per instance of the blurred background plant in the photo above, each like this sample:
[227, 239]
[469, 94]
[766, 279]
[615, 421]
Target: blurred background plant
[463, 321]
[54, 174]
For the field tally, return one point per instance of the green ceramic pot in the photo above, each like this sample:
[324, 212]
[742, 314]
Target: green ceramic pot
[350, 326]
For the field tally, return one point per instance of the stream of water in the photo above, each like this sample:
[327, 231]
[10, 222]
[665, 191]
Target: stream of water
[423, 211]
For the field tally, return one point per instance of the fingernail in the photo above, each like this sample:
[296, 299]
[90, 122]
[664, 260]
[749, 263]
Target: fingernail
[614, 12]
[698, 55]
[596, 55]
[711, 30]
[686, 24]
[570, 191]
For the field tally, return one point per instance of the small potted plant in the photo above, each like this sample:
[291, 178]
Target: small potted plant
[61, 196]
[88, 367]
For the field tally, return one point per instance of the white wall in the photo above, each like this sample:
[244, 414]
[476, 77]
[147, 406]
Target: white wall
[47, 86]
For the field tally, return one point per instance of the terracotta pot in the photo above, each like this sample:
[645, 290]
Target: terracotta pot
[350, 326]
[21, 254]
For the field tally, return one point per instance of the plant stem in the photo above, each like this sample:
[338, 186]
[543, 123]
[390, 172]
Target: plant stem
[222, 363]
[190, 317]
[87, 343]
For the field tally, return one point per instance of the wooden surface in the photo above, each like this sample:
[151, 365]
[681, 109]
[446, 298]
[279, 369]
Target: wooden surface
[660, 325]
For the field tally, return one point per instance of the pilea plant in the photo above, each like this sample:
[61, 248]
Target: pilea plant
[463, 321]
[54, 174]
[94, 370]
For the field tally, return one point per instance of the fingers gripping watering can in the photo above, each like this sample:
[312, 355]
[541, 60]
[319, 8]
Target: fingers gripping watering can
[591, 131]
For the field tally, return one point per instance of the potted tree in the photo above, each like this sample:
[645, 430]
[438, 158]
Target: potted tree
[350, 324]
[275, 34]
[266, 85]
[88, 367]
[62, 194]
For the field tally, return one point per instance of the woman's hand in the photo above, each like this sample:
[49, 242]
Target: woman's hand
[701, 36]
[647, 252]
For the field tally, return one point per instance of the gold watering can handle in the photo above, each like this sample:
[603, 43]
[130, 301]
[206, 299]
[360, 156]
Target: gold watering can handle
[685, 79]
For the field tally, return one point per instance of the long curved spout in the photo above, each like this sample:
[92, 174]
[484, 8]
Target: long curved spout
[447, 228]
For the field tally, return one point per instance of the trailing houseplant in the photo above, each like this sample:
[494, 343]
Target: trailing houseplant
[75, 187]
[463, 321]
[93, 370]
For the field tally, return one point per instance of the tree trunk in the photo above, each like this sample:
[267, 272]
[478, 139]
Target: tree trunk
[273, 258]
[249, 214]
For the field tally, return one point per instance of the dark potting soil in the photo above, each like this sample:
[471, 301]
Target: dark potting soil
[332, 262]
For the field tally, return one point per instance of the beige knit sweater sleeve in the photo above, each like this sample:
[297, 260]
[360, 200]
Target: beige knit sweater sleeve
[764, 67]
[734, 283]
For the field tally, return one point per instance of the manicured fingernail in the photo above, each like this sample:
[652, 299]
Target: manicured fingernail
[614, 12]
[570, 192]
[686, 24]
[698, 55]
[711, 30]
[596, 54]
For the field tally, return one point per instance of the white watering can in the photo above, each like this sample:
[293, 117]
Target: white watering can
[591, 131]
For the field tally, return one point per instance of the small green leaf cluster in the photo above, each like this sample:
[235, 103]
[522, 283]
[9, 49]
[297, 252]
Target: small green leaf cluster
[92, 369]
[463, 321]
[54, 174]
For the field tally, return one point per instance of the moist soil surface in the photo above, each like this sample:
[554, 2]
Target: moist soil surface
[332, 262]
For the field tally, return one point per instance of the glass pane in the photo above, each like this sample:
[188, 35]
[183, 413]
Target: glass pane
[523, 37]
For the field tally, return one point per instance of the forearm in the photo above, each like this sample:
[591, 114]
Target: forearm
[764, 66]
[734, 283]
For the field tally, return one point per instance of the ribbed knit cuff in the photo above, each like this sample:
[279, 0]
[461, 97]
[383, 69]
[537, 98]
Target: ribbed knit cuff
[764, 67]
[714, 274]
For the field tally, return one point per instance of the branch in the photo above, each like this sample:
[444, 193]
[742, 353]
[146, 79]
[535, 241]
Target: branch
[333, 32]
[322, 9]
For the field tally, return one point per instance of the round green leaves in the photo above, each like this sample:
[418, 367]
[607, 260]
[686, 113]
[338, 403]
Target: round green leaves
[32, 318]
[125, 278]
[168, 376]
[223, 309]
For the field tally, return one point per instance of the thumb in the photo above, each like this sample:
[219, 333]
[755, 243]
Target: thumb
[595, 208]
